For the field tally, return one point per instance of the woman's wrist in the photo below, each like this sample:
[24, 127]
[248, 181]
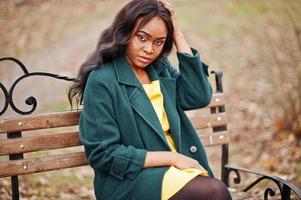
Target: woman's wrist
[172, 158]
[159, 158]
[181, 43]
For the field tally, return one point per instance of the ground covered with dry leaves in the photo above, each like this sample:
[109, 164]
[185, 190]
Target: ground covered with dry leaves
[256, 43]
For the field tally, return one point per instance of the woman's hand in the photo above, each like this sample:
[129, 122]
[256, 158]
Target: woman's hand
[169, 158]
[184, 162]
[168, 6]
[178, 37]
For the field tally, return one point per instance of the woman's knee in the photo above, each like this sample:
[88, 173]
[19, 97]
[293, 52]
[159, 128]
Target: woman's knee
[215, 188]
[202, 187]
[219, 190]
[217, 185]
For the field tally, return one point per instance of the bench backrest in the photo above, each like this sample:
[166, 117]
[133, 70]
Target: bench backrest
[15, 146]
[205, 121]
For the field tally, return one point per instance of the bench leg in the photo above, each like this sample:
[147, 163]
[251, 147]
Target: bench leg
[286, 193]
[15, 187]
[14, 179]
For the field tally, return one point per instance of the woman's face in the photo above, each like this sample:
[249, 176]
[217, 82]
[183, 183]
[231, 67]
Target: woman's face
[146, 43]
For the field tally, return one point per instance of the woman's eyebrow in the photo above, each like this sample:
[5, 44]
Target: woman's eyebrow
[149, 35]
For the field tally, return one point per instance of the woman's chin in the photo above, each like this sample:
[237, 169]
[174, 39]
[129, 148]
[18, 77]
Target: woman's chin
[142, 64]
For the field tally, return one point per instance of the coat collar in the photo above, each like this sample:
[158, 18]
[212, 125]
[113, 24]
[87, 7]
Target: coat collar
[140, 101]
[124, 72]
[126, 75]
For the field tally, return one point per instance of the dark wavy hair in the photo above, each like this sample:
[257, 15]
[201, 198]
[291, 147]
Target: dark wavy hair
[113, 40]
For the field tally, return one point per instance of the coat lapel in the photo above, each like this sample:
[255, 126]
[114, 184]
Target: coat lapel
[137, 97]
[168, 89]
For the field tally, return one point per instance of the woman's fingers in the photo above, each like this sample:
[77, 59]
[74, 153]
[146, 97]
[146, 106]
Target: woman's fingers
[168, 6]
[184, 162]
[171, 11]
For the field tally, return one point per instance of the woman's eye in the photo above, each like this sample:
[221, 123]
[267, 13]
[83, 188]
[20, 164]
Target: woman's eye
[141, 38]
[158, 42]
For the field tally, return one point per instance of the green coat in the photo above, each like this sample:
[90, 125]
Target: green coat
[118, 124]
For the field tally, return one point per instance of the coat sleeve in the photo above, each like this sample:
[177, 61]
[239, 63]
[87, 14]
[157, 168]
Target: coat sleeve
[99, 133]
[193, 88]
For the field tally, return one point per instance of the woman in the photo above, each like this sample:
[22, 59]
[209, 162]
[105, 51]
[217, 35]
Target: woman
[136, 135]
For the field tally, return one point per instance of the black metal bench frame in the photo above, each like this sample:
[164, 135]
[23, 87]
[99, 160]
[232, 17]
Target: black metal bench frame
[284, 187]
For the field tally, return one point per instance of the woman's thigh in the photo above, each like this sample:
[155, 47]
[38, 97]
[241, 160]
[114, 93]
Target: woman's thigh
[203, 187]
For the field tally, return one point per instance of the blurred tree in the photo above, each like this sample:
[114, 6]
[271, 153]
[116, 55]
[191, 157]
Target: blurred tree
[285, 74]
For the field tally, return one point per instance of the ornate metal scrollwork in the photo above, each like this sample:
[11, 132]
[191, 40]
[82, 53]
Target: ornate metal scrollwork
[6, 101]
[269, 192]
[237, 178]
[31, 101]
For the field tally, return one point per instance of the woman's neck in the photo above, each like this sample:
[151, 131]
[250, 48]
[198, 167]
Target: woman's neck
[142, 75]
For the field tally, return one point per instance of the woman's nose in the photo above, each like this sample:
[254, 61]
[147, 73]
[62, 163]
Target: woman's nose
[148, 48]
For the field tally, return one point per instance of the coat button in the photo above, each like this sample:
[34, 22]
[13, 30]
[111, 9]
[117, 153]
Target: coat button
[193, 149]
[116, 172]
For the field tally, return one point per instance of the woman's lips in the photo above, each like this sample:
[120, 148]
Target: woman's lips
[145, 59]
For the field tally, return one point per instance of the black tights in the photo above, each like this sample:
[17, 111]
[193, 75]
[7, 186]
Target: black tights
[203, 188]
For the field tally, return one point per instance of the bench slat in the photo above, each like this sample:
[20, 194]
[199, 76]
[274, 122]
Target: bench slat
[215, 138]
[41, 121]
[62, 119]
[34, 165]
[217, 100]
[209, 121]
[39, 143]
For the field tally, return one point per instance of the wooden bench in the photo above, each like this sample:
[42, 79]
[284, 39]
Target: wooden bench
[210, 123]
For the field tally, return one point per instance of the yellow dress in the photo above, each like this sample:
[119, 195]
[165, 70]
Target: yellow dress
[174, 179]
